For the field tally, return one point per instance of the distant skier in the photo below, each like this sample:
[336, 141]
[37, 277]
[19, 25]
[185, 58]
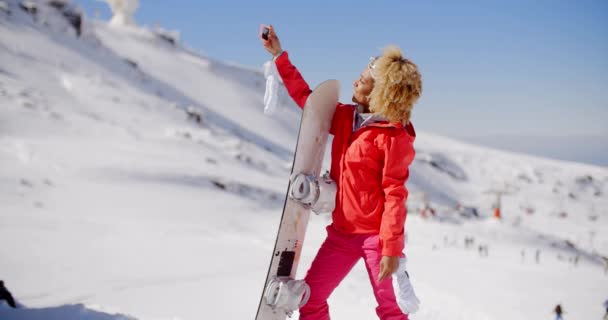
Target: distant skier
[371, 152]
[483, 250]
[6, 295]
[606, 308]
[558, 312]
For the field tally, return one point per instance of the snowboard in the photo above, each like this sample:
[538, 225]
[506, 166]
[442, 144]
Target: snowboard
[283, 294]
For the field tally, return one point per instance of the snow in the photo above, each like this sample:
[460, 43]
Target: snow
[67, 312]
[123, 11]
[140, 179]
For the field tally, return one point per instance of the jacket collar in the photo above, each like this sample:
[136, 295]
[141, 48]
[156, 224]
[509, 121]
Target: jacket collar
[361, 120]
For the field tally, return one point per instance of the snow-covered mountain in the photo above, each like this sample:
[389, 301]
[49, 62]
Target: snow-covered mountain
[140, 179]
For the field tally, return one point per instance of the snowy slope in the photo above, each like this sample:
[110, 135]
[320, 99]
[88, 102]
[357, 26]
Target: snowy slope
[140, 178]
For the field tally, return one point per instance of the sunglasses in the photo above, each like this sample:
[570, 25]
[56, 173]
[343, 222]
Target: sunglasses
[372, 65]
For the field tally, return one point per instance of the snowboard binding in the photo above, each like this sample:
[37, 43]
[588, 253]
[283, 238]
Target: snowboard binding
[287, 295]
[317, 194]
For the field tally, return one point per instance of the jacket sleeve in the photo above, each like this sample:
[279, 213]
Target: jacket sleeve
[398, 154]
[294, 82]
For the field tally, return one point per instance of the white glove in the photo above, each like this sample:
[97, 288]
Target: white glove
[404, 292]
[271, 96]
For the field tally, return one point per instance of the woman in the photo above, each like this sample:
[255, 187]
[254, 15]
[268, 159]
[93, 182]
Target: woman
[371, 152]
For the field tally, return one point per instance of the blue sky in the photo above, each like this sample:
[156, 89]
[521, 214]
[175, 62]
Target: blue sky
[488, 67]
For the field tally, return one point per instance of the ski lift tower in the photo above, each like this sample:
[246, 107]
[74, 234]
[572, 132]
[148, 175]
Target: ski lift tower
[426, 207]
[498, 192]
[420, 200]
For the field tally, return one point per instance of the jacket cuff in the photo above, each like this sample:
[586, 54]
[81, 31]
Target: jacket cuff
[392, 249]
[281, 58]
[274, 58]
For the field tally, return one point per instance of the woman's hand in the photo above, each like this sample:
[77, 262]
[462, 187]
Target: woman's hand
[388, 266]
[272, 45]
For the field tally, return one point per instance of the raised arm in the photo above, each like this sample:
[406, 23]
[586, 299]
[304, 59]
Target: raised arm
[294, 82]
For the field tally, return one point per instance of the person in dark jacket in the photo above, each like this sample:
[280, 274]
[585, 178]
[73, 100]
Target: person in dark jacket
[558, 312]
[6, 295]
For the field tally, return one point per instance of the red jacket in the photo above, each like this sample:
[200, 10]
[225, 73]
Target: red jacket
[370, 167]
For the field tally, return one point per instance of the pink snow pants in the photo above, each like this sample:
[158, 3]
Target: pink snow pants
[336, 257]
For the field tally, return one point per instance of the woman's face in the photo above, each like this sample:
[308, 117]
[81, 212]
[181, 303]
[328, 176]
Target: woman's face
[362, 87]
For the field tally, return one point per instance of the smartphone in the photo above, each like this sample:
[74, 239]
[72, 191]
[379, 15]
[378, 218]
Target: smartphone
[265, 33]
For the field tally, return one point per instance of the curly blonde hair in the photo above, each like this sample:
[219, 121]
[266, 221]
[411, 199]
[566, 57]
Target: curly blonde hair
[397, 86]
